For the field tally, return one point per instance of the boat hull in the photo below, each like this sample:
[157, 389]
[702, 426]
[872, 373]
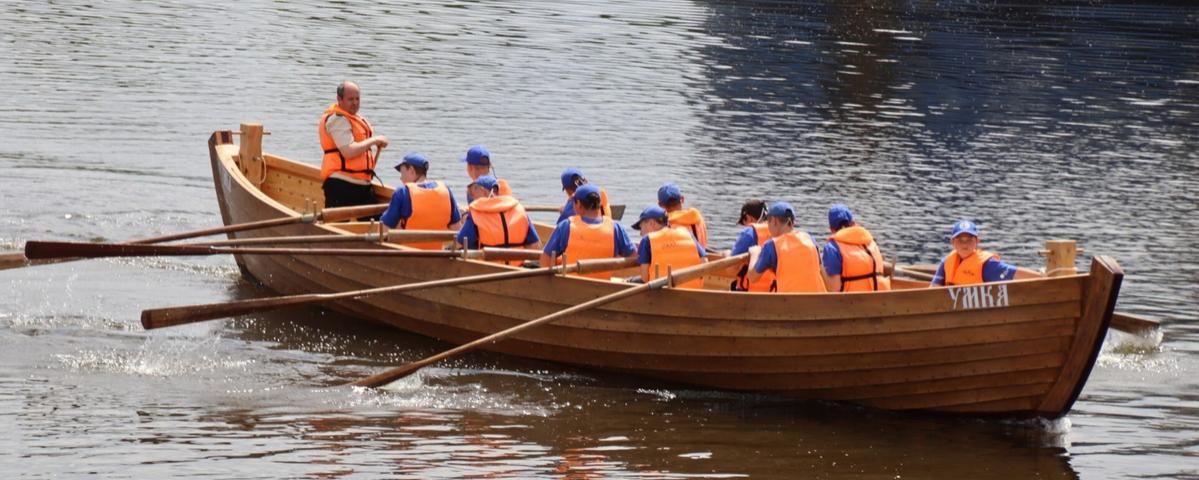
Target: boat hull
[1017, 349]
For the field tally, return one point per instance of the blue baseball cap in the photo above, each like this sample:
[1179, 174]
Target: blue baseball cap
[839, 215]
[963, 226]
[486, 181]
[477, 155]
[669, 192]
[568, 177]
[781, 209]
[584, 190]
[655, 213]
[415, 159]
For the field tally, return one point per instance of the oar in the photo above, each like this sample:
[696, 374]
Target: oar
[18, 259]
[681, 276]
[37, 249]
[617, 210]
[1134, 324]
[1123, 322]
[171, 316]
[394, 236]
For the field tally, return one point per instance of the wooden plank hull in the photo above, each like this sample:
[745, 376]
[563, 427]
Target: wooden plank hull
[1022, 348]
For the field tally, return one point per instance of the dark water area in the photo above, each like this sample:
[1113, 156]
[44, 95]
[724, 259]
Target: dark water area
[1038, 120]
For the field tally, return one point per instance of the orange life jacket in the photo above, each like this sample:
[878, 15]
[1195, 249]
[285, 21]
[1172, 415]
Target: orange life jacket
[673, 247]
[767, 279]
[861, 261]
[589, 241]
[504, 188]
[431, 210]
[691, 219]
[798, 268]
[968, 271]
[361, 166]
[502, 222]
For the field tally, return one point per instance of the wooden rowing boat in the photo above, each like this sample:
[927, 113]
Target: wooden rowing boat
[1015, 349]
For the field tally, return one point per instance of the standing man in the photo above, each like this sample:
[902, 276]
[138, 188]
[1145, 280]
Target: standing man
[755, 233]
[495, 220]
[572, 179]
[967, 265]
[349, 164]
[588, 235]
[789, 253]
[852, 261]
[670, 198]
[663, 248]
[478, 163]
[420, 204]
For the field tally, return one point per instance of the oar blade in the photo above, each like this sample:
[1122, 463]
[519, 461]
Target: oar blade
[171, 316]
[389, 376]
[1133, 324]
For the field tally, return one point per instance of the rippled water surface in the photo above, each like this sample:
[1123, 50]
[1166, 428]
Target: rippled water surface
[1062, 120]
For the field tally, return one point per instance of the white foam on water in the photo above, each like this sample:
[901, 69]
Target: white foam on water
[664, 395]
[416, 392]
[156, 359]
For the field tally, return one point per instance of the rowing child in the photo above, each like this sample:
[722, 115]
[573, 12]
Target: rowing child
[495, 220]
[664, 249]
[478, 163]
[790, 254]
[670, 197]
[852, 260]
[588, 235]
[967, 265]
[420, 204]
[572, 179]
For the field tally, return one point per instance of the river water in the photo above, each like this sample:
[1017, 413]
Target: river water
[1062, 120]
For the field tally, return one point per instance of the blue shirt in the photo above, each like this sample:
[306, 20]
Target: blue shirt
[400, 207]
[768, 259]
[747, 238]
[993, 271]
[645, 257]
[622, 246]
[468, 236]
[567, 211]
[831, 258]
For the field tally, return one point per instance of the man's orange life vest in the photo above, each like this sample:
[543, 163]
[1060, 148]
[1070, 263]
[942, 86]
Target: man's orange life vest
[589, 241]
[502, 222]
[360, 167]
[861, 261]
[691, 219]
[968, 271]
[798, 268]
[767, 279]
[431, 210]
[673, 247]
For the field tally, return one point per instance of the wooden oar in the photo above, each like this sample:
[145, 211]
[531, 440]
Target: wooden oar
[1123, 322]
[1134, 324]
[18, 259]
[678, 277]
[171, 316]
[37, 249]
[617, 210]
[393, 236]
